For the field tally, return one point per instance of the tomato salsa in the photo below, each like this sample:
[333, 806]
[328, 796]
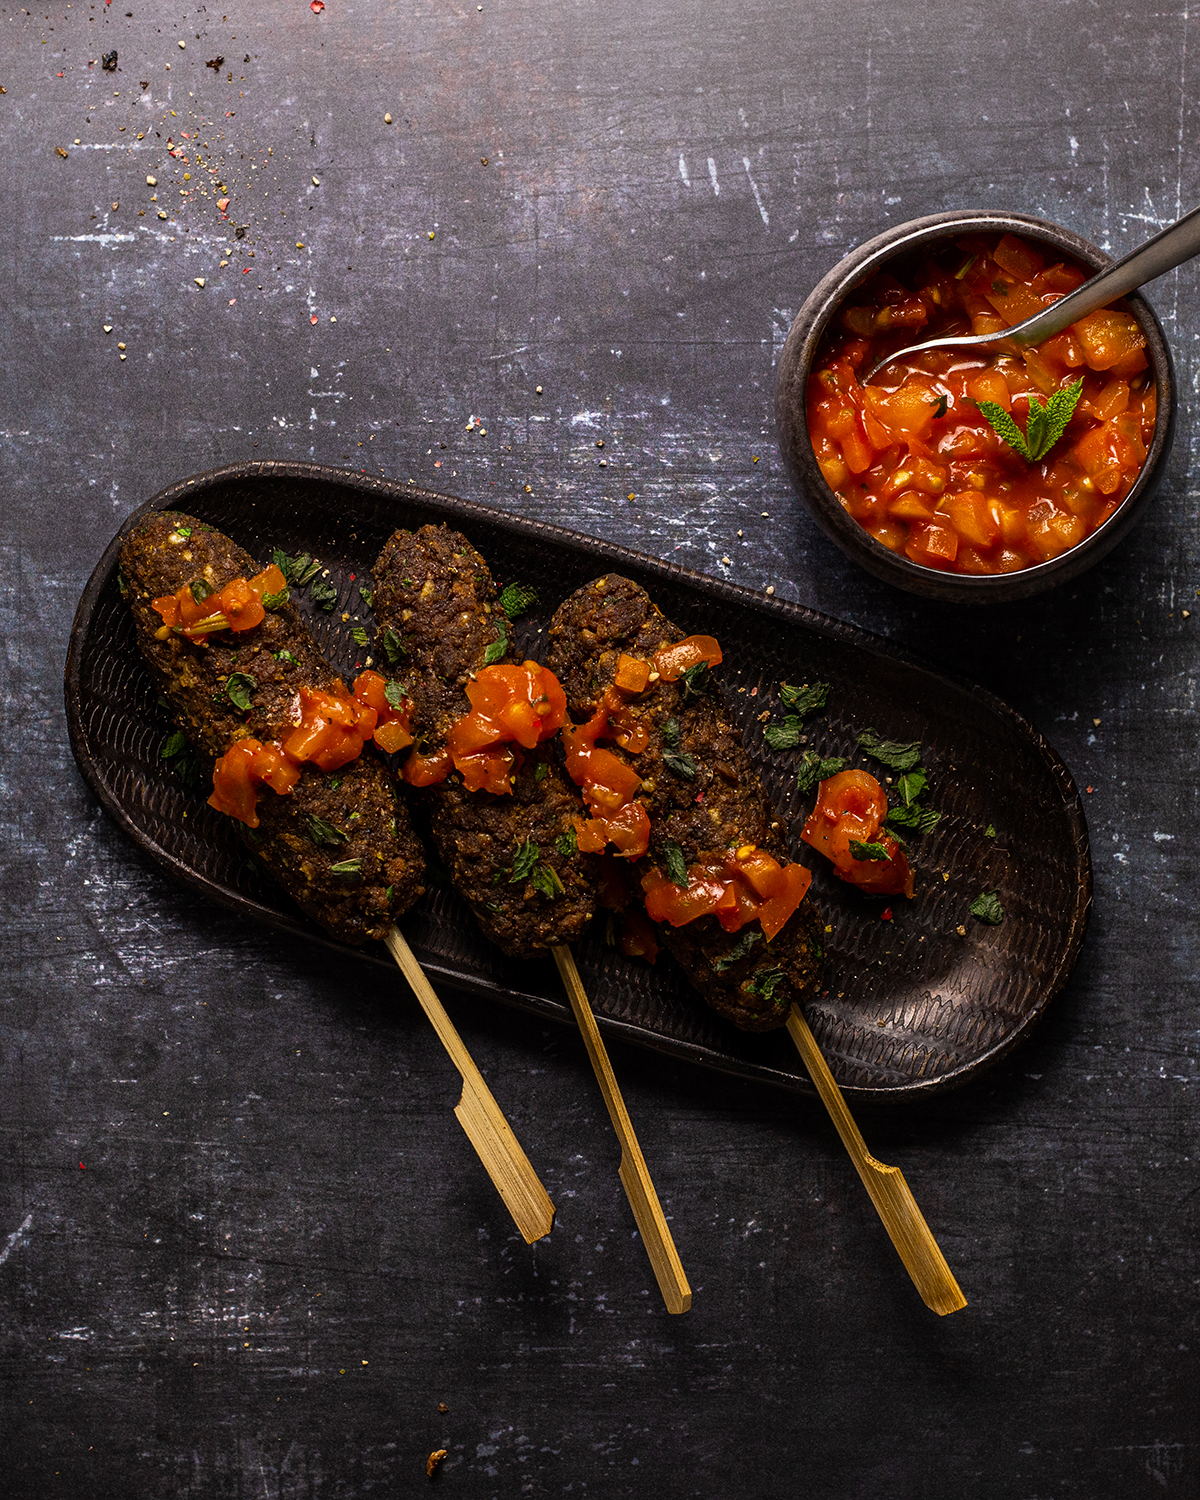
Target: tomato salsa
[915, 461]
[331, 733]
[846, 826]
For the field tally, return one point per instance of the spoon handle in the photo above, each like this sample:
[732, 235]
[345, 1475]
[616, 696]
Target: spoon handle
[1168, 249]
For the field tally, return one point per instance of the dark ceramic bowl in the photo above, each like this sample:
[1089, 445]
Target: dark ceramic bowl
[796, 361]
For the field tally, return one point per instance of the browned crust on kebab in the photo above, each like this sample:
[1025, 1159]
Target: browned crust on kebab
[358, 800]
[722, 807]
[435, 591]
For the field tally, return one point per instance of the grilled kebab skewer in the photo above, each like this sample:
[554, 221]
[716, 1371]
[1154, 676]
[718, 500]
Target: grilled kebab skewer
[248, 687]
[708, 819]
[502, 811]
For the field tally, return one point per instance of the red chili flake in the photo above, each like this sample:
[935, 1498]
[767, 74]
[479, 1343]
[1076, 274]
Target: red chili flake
[60, 75]
[245, 270]
[886, 914]
[82, 1168]
[316, 6]
[754, 692]
[1089, 789]
[313, 319]
[437, 463]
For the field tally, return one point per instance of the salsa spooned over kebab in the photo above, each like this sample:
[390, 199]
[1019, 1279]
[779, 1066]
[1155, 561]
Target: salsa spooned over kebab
[501, 809]
[247, 685]
[673, 789]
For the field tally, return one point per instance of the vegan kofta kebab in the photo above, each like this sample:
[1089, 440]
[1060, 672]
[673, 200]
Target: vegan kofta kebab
[502, 812]
[248, 687]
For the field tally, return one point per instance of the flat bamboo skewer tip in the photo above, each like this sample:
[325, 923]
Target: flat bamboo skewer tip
[903, 1220]
[478, 1113]
[633, 1172]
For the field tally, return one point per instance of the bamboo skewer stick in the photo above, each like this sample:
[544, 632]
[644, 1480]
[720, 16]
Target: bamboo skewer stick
[893, 1200]
[633, 1172]
[479, 1114]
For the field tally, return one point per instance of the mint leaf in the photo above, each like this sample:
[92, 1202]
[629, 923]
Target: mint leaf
[1044, 426]
[911, 785]
[349, 869]
[813, 770]
[523, 861]
[238, 690]
[696, 681]
[891, 753]
[676, 865]
[323, 594]
[785, 736]
[276, 601]
[986, 906]
[567, 843]
[919, 819]
[674, 759]
[1004, 425]
[394, 694]
[804, 700]
[367, 597]
[516, 599]
[393, 646]
[862, 851]
[323, 833]
[545, 879]
[739, 951]
[498, 650]
[765, 983]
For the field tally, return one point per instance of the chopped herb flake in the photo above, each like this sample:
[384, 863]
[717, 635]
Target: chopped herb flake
[804, 700]
[764, 983]
[359, 636]
[523, 861]
[863, 851]
[785, 736]
[919, 819]
[394, 693]
[740, 950]
[696, 681]
[891, 753]
[349, 869]
[545, 879]
[516, 599]
[567, 843]
[276, 601]
[367, 597]
[201, 589]
[238, 689]
[679, 761]
[986, 906]
[814, 769]
[323, 593]
[498, 649]
[393, 646]
[677, 872]
[323, 833]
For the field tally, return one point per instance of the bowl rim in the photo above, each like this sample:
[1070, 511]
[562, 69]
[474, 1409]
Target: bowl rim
[796, 446]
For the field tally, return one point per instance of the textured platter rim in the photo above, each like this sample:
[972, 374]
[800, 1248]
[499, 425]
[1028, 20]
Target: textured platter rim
[607, 555]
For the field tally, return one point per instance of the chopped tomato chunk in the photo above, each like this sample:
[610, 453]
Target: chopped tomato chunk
[671, 662]
[851, 807]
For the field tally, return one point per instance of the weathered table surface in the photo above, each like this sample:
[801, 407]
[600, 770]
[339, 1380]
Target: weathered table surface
[244, 1247]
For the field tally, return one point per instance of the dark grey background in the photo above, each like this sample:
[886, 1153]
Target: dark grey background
[245, 1249]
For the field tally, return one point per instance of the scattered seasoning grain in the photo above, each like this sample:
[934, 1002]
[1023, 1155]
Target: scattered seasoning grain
[962, 931]
[387, 119]
[433, 1460]
[199, 280]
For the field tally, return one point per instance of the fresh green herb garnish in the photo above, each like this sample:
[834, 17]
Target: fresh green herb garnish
[297, 570]
[367, 597]
[201, 589]
[696, 681]
[965, 267]
[184, 761]
[394, 693]
[891, 753]
[919, 819]
[335, 782]
[911, 785]
[122, 584]
[323, 593]
[276, 601]
[523, 861]
[498, 649]
[804, 700]
[990, 831]
[516, 599]
[285, 656]
[676, 865]
[814, 769]
[545, 879]
[323, 833]
[862, 851]
[567, 843]
[785, 736]
[393, 646]
[986, 906]
[184, 531]
[1045, 425]
[359, 636]
[238, 689]
[349, 869]
[739, 951]
[540, 770]
[764, 983]
[1000, 288]
[679, 761]
[939, 408]
[387, 893]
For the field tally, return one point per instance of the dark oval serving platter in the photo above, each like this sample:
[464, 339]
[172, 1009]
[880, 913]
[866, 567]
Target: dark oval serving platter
[911, 1005]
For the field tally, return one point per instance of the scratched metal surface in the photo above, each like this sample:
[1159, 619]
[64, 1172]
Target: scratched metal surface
[244, 1246]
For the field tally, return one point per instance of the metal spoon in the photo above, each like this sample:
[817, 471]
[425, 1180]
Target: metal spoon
[1168, 249]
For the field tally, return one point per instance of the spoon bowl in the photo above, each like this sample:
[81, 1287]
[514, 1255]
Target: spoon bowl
[801, 349]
